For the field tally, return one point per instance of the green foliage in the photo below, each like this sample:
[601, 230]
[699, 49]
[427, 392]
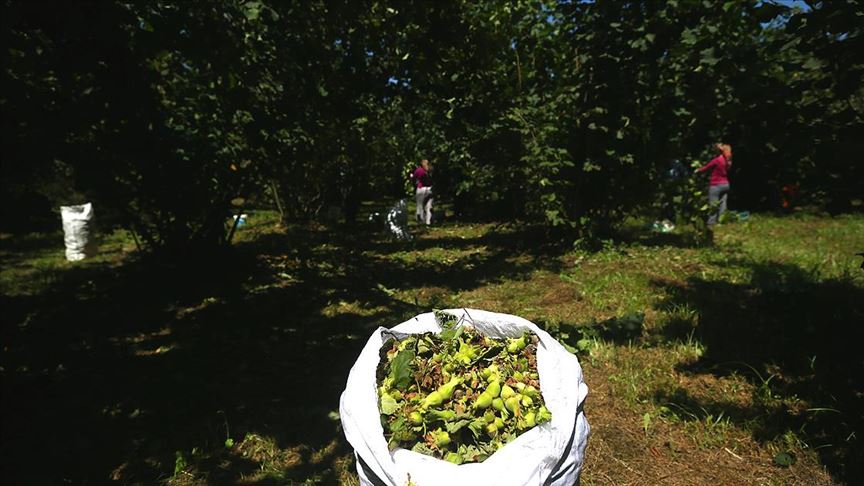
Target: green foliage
[180, 463]
[470, 394]
[784, 459]
[561, 113]
[401, 368]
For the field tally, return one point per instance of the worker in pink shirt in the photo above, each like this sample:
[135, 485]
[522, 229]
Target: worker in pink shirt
[422, 177]
[718, 186]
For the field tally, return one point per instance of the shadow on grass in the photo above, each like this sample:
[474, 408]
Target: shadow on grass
[675, 240]
[685, 236]
[124, 372]
[619, 330]
[30, 242]
[793, 335]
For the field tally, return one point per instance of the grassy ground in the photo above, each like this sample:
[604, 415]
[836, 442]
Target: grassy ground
[704, 364]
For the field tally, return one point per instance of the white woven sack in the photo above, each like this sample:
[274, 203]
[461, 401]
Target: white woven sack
[549, 454]
[76, 230]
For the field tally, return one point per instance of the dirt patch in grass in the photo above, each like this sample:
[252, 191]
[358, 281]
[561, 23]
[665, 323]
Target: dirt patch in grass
[560, 294]
[624, 448]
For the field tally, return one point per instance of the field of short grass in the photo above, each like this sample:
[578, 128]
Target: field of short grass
[732, 364]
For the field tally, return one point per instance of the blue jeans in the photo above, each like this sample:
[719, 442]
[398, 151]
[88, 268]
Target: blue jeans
[717, 196]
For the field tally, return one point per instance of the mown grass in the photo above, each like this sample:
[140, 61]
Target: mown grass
[704, 363]
[33, 263]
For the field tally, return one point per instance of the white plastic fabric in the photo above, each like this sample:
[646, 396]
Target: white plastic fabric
[397, 221]
[76, 230]
[549, 454]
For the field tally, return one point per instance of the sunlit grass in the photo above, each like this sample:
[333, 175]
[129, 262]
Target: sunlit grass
[586, 299]
[31, 264]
